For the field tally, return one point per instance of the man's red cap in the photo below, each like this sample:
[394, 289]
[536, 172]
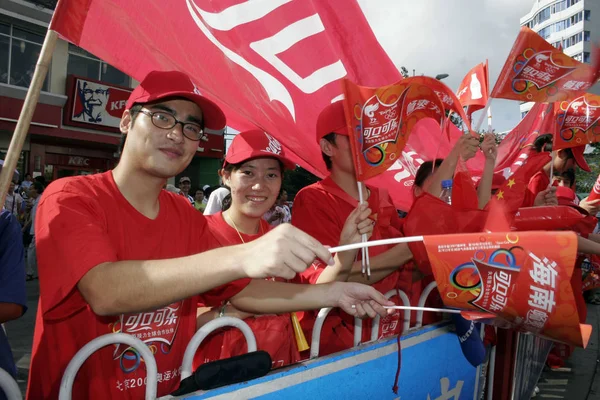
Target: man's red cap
[332, 120]
[254, 144]
[579, 159]
[162, 84]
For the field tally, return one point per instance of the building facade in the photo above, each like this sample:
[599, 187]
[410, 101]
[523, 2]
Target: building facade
[74, 129]
[572, 24]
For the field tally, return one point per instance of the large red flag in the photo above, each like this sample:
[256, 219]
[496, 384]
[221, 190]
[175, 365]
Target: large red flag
[577, 122]
[522, 277]
[272, 64]
[473, 91]
[537, 71]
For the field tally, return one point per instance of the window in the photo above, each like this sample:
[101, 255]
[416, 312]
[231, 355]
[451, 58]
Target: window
[87, 65]
[587, 15]
[586, 36]
[19, 52]
[586, 57]
[578, 57]
[523, 114]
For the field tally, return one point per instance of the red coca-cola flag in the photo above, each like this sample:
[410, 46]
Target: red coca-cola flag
[577, 122]
[473, 91]
[381, 119]
[524, 278]
[272, 64]
[537, 71]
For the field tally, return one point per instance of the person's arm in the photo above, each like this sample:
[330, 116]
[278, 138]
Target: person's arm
[207, 314]
[592, 207]
[357, 224]
[382, 264]
[120, 287]
[490, 151]
[12, 269]
[465, 148]
[268, 297]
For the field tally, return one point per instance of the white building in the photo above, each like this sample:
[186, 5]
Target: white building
[574, 24]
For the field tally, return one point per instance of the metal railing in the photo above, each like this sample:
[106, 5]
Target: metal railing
[66, 385]
[207, 329]
[9, 386]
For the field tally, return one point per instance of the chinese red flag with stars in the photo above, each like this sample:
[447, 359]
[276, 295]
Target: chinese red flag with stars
[524, 278]
[512, 192]
[577, 122]
[537, 71]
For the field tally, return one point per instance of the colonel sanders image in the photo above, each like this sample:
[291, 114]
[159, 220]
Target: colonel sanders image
[92, 99]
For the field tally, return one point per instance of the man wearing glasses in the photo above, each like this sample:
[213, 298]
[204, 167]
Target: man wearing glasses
[116, 253]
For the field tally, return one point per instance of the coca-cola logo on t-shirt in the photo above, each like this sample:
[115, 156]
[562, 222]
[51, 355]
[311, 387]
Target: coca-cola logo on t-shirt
[157, 327]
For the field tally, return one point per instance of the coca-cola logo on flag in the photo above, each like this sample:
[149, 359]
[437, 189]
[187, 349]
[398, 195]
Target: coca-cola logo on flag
[216, 26]
[582, 115]
[380, 122]
[540, 69]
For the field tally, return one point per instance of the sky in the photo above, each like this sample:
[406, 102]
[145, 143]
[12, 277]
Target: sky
[451, 37]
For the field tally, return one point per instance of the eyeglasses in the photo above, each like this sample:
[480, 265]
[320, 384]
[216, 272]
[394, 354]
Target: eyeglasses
[164, 120]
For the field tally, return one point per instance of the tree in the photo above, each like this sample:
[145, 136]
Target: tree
[295, 180]
[585, 180]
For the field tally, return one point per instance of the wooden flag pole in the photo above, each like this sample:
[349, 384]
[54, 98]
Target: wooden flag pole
[31, 100]
[366, 264]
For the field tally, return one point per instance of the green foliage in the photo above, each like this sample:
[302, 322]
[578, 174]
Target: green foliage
[585, 180]
[295, 180]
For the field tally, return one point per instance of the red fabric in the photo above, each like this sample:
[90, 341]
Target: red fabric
[238, 53]
[538, 183]
[534, 66]
[85, 221]
[474, 88]
[578, 121]
[274, 333]
[321, 210]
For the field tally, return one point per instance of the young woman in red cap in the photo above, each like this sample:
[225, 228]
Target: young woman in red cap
[253, 170]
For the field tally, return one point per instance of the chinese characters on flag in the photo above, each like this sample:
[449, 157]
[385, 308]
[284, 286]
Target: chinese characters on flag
[524, 278]
[577, 122]
[536, 71]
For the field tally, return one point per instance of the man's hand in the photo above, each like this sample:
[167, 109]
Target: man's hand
[283, 252]
[592, 207]
[546, 198]
[467, 146]
[359, 300]
[357, 224]
[489, 147]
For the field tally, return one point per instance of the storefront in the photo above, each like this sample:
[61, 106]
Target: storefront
[78, 134]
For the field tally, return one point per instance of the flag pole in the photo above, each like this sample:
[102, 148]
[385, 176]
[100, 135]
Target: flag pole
[366, 264]
[382, 242]
[483, 114]
[31, 100]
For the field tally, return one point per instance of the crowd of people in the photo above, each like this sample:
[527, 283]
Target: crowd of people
[122, 251]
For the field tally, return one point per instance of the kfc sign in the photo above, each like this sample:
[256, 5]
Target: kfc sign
[94, 104]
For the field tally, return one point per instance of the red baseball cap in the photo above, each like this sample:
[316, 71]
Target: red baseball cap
[161, 84]
[254, 144]
[567, 197]
[579, 159]
[332, 120]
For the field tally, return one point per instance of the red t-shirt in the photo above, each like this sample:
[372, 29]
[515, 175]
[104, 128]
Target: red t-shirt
[321, 211]
[83, 222]
[538, 183]
[274, 333]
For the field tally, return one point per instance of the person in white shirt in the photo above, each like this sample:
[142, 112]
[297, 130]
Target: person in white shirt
[14, 201]
[35, 193]
[280, 212]
[215, 201]
[26, 184]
